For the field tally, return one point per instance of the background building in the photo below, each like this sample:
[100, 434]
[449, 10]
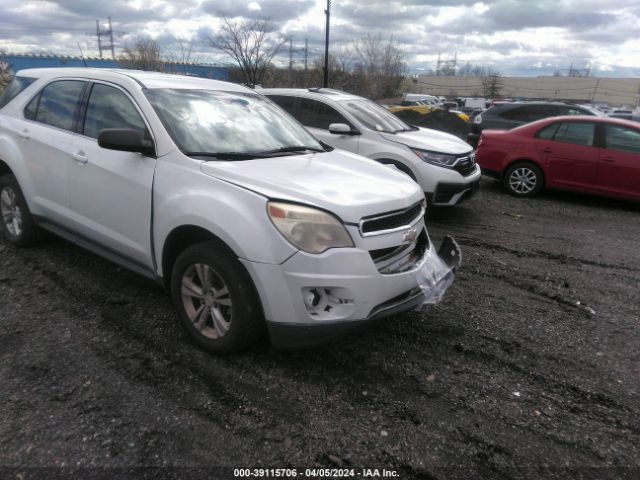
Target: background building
[613, 91]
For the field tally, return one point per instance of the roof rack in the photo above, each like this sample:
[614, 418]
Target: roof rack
[327, 91]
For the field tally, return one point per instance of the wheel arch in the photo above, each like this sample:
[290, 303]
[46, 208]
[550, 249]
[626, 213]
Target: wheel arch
[403, 167]
[4, 168]
[181, 238]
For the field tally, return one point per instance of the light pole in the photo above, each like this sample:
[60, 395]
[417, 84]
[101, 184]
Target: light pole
[327, 12]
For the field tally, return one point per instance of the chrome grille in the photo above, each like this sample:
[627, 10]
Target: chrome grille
[378, 224]
[466, 165]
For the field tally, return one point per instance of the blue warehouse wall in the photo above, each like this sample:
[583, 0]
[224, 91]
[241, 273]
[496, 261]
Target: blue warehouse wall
[21, 62]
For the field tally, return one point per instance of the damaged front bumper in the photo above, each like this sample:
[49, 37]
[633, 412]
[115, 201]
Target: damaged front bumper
[311, 299]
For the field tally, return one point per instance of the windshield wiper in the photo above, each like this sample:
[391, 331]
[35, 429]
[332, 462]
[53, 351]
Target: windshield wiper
[292, 148]
[225, 155]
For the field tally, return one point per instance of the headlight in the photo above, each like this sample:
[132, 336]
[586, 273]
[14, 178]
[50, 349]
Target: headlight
[309, 229]
[439, 159]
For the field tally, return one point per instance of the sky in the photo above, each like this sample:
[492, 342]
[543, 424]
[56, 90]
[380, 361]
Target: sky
[514, 37]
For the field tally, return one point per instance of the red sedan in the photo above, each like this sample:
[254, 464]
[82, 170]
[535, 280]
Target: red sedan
[585, 154]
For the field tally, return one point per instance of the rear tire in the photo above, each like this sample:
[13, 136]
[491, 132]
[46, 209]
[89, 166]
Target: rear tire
[16, 221]
[216, 299]
[523, 179]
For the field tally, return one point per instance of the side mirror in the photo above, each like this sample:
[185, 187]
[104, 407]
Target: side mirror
[125, 140]
[342, 129]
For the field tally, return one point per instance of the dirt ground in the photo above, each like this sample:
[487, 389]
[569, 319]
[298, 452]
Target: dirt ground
[530, 368]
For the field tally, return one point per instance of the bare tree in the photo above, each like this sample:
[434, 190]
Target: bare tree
[252, 42]
[382, 62]
[5, 71]
[145, 55]
[491, 85]
[179, 55]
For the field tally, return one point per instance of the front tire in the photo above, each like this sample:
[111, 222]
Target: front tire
[523, 179]
[16, 221]
[216, 299]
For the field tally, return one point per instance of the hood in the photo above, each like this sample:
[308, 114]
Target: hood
[432, 140]
[348, 185]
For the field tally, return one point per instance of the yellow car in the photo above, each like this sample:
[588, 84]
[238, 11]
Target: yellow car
[426, 110]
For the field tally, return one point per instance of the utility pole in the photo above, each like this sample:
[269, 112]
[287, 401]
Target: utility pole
[99, 37]
[113, 54]
[327, 12]
[105, 33]
[306, 53]
[438, 66]
[290, 58]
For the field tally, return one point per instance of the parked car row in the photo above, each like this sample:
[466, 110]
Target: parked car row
[298, 211]
[247, 219]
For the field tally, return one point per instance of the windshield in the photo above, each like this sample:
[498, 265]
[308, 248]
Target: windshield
[214, 123]
[375, 117]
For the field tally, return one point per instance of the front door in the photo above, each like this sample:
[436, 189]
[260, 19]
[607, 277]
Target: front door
[570, 155]
[111, 191]
[317, 116]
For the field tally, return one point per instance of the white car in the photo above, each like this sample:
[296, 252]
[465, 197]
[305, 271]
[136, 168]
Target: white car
[442, 164]
[215, 192]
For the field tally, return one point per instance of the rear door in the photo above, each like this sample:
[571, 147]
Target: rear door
[46, 137]
[619, 172]
[110, 191]
[569, 154]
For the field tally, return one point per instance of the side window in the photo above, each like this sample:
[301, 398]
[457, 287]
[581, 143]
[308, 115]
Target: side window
[17, 85]
[109, 107]
[623, 139]
[573, 111]
[286, 102]
[32, 108]
[519, 114]
[538, 112]
[548, 132]
[577, 133]
[57, 104]
[318, 115]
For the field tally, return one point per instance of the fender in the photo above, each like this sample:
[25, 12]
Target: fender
[237, 216]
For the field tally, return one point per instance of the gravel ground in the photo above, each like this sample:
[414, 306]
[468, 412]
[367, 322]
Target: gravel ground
[530, 368]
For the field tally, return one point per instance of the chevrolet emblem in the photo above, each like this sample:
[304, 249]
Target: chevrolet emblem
[410, 235]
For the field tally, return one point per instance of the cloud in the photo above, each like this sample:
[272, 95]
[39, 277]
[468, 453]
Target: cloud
[511, 35]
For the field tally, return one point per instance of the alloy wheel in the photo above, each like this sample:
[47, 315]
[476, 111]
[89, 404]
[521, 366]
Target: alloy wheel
[523, 180]
[206, 300]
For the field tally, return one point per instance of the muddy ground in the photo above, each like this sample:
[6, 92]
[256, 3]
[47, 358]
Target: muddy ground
[530, 368]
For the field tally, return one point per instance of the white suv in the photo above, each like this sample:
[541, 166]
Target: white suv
[212, 190]
[442, 164]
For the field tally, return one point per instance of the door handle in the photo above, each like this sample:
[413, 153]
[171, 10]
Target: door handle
[24, 134]
[608, 159]
[80, 157]
[547, 150]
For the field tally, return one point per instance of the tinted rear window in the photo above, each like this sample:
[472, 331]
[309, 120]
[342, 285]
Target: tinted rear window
[57, 104]
[17, 85]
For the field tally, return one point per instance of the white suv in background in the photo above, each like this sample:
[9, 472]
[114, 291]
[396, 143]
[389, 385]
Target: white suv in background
[441, 163]
[212, 190]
